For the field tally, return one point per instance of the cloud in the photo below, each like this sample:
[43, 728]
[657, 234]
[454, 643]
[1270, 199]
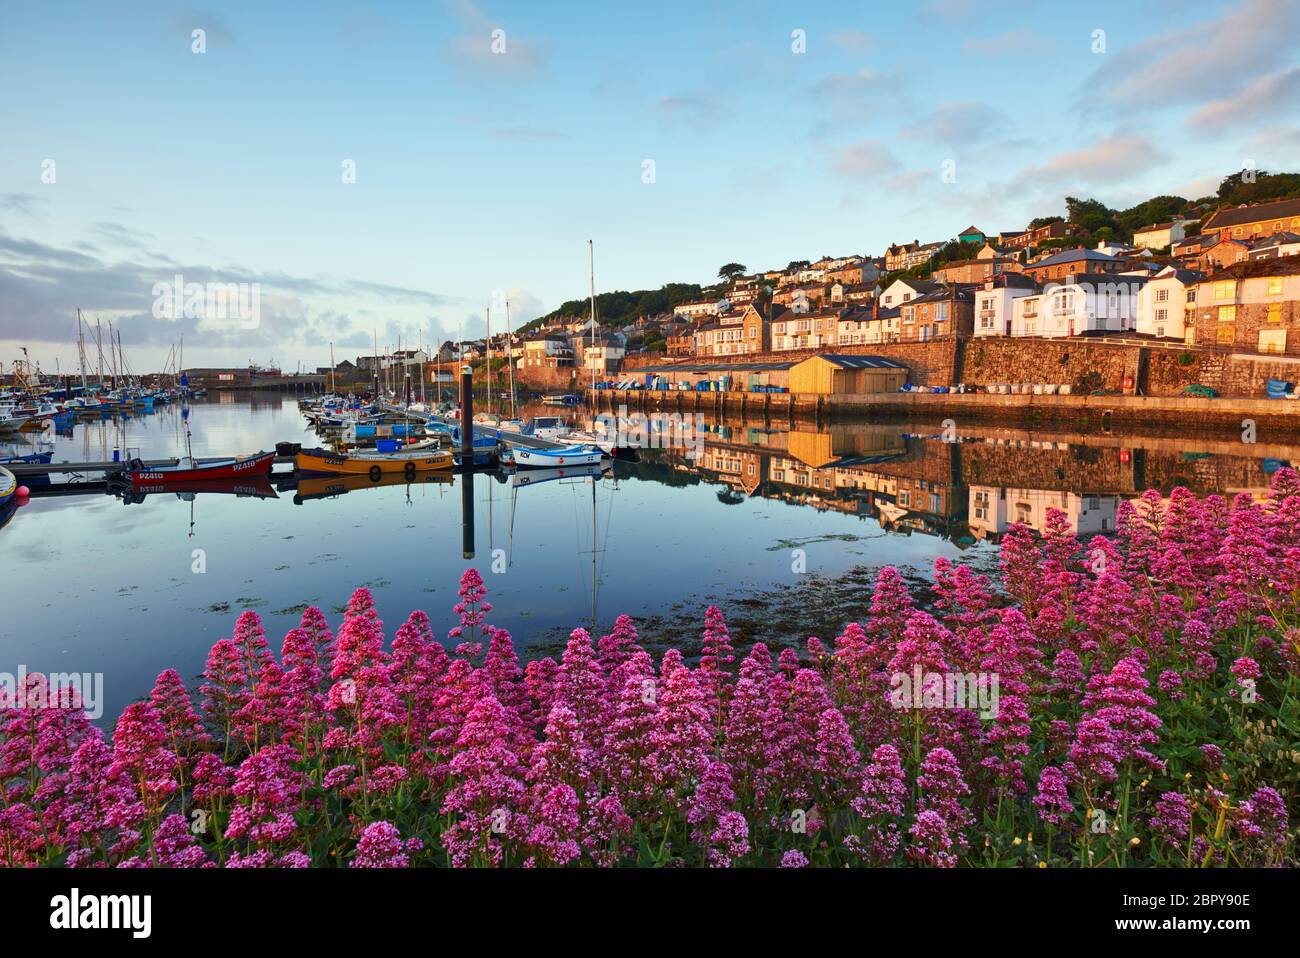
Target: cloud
[854, 41]
[859, 83]
[958, 122]
[42, 286]
[866, 158]
[1110, 160]
[1002, 44]
[1262, 99]
[488, 48]
[25, 203]
[693, 110]
[1185, 65]
[216, 31]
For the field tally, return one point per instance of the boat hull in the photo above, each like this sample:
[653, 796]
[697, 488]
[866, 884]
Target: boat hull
[556, 458]
[323, 462]
[258, 465]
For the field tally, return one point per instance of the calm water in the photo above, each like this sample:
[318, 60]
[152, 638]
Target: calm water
[96, 585]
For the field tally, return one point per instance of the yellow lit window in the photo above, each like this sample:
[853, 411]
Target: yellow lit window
[1275, 312]
[1227, 314]
[1227, 334]
[1275, 286]
[1225, 289]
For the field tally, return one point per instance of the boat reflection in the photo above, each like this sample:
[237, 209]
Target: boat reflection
[251, 487]
[329, 487]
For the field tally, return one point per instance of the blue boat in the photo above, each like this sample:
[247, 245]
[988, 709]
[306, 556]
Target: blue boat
[563, 457]
[34, 459]
[8, 487]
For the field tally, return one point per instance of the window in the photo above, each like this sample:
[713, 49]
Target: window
[1227, 314]
[1162, 296]
[1272, 340]
[1275, 286]
[1225, 289]
[1275, 312]
[1227, 334]
[1191, 295]
[1162, 315]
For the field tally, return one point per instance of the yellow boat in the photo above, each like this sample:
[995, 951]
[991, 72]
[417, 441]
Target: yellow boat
[376, 465]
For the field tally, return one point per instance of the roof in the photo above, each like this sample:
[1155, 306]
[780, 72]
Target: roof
[971, 229]
[1254, 268]
[1157, 226]
[713, 368]
[858, 362]
[1240, 215]
[1073, 256]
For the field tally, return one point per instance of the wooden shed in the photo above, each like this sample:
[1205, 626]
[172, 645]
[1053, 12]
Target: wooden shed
[836, 375]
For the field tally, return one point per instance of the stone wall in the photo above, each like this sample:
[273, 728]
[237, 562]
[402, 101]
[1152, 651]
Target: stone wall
[1228, 374]
[1078, 363]
[545, 377]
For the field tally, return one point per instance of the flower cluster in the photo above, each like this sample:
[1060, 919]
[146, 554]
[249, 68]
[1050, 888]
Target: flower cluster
[1117, 661]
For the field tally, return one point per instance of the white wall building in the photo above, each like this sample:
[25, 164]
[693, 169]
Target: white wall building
[1166, 304]
[1082, 303]
[991, 510]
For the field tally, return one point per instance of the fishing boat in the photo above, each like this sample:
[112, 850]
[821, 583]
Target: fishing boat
[545, 427]
[189, 470]
[522, 457]
[404, 462]
[11, 419]
[31, 459]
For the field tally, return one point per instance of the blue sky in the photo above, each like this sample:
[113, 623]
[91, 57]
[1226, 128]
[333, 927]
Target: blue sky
[478, 171]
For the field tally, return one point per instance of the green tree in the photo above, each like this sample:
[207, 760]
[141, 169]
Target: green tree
[729, 272]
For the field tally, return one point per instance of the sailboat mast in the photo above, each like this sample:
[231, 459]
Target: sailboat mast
[489, 359]
[331, 366]
[510, 363]
[591, 264]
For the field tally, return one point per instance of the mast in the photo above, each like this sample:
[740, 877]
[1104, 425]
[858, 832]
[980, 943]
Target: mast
[99, 347]
[81, 350]
[510, 363]
[488, 311]
[591, 261]
[331, 366]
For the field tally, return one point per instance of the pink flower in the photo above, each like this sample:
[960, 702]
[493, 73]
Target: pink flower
[381, 846]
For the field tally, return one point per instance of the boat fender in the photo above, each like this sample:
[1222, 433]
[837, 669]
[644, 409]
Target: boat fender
[375, 473]
[409, 471]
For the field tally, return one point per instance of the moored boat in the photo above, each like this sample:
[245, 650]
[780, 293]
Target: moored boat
[197, 470]
[373, 464]
[522, 457]
[8, 486]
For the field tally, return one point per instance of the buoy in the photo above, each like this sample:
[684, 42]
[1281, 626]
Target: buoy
[21, 494]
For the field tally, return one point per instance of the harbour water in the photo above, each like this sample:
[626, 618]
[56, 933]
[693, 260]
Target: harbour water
[783, 527]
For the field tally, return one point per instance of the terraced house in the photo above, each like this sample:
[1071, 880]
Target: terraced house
[945, 311]
[1262, 219]
[1253, 305]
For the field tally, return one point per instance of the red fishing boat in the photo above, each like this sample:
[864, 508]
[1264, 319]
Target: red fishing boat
[189, 470]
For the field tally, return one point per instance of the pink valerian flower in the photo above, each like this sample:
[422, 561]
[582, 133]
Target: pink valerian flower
[303, 711]
[966, 601]
[472, 608]
[1244, 561]
[267, 790]
[1171, 684]
[714, 674]
[794, 859]
[501, 666]
[564, 758]
[1246, 670]
[838, 766]
[172, 846]
[744, 746]
[891, 608]
[414, 671]
[539, 681]
[1172, 820]
[881, 805]
[556, 825]
[607, 831]
[224, 690]
[1212, 756]
[360, 642]
[930, 845]
[183, 727]
[1262, 821]
[720, 831]
[461, 688]
[616, 648]
[628, 758]
[381, 846]
[1119, 724]
[1008, 740]
[139, 754]
[212, 780]
[942, 789]
[682, 732]
[316, 629]
[266, 717]
[338, 777]
[487, 799]
[1053, 799]
[1021, 564]
[384, 779]
[251, 645]
[580, 685]
[102, 820]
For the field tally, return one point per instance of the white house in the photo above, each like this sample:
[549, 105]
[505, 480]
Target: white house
[1159, 235]
[994, 310]
[1087, 303]
[1167, 302]
[901, 290]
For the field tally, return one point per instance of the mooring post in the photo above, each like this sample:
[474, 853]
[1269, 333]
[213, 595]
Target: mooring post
[467, 415]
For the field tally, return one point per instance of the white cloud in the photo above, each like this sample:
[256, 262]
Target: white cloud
[1262, 99]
